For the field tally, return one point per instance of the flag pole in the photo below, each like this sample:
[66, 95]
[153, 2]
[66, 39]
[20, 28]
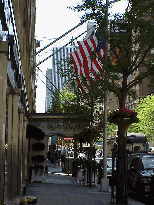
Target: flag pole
[105, 100]
[105, 182]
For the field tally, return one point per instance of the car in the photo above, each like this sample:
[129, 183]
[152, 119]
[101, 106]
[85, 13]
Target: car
[109, 170]
[141, 176]
[98, 144]
[109, 167]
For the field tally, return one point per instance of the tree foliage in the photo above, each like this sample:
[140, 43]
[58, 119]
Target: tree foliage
[111, 129]
[145, 110]
[67, 102]
[132, 35]
[56, 104]
[130, 40]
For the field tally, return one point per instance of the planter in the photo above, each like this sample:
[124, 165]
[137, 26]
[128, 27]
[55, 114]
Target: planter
[34, 132]
[38, 169]
[123, 117]
[38, 173]
[125, 121]
[80, 176]
[38, 158]
[38, 146]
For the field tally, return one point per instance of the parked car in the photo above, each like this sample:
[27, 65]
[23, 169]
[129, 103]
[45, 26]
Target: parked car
[140, 175]
[136, 143]
[109, 169]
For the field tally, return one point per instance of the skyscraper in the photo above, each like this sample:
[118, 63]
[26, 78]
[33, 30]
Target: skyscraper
[49, 89]
[53, 74]
[59, 63]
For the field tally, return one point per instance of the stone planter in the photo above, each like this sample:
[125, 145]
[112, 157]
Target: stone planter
[38, 174]
[125, 122]
[38, 146]
[38, 158]
[80, 176]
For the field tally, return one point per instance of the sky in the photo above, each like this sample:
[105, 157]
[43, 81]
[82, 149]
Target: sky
[53, 19]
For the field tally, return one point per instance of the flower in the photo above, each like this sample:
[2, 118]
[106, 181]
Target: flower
[67, 140]
[122, 113]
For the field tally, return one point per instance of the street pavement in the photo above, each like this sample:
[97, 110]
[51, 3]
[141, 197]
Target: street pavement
[61, 189]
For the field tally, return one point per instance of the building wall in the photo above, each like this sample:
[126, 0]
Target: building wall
[25, 12]
[141, 90]
[17, 99]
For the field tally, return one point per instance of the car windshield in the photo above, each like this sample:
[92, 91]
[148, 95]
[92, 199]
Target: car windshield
[148, 162]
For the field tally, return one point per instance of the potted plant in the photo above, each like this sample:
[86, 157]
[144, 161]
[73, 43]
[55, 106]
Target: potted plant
[38, 169]
[38, 146]
[68, 141]
[34, 132]
[78, 165]
[123, 117]
[38, 158]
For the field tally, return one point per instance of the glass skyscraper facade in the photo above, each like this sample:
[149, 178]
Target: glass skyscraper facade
[53, 74]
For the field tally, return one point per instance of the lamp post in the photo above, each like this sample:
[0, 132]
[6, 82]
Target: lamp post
[104, 182]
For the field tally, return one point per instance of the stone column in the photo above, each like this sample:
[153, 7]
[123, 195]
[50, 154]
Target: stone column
[15, 135]
[20, 150]
[9, 148]
[23, 151]
[26, 155]
[3, 87]
[75, 148]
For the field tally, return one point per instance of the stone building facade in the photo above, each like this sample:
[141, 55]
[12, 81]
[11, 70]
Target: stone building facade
[17, 93]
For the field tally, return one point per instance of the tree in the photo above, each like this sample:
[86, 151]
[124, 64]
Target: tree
[66, 101]
[56, 105]
[130, 46]
[134, 39]
[145, 110]
[111, 129]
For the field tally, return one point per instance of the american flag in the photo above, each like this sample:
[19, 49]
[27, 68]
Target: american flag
[85, 65]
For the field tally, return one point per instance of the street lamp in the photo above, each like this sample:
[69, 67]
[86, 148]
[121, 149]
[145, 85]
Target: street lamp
[104, 180]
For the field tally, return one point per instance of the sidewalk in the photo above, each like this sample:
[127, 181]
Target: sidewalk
[61, 189]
